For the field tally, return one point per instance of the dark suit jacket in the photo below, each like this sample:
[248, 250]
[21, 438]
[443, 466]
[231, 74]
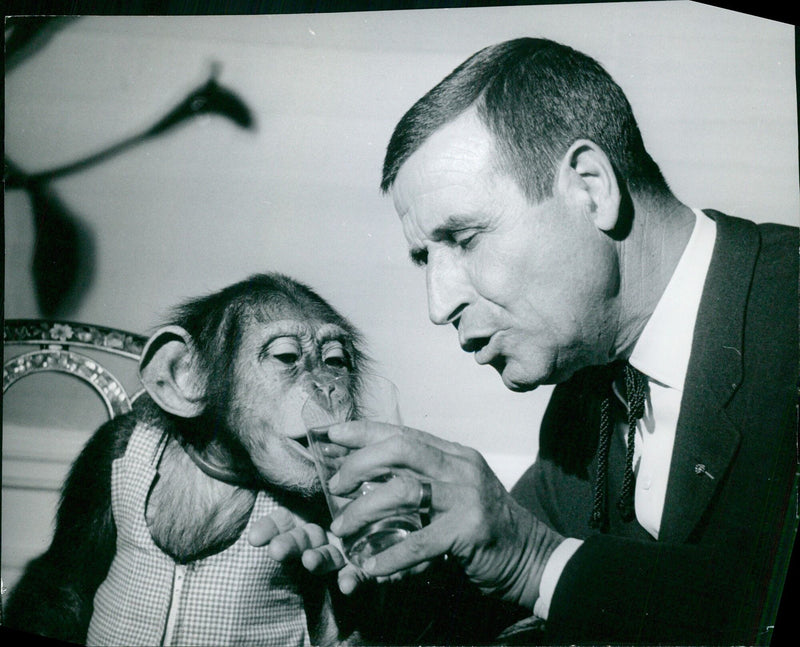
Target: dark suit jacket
[716, 572]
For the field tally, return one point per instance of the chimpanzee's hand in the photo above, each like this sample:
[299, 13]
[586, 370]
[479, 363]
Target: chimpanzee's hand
[499, 544]
[291, 538]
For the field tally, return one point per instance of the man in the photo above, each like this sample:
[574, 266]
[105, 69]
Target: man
[554, 246]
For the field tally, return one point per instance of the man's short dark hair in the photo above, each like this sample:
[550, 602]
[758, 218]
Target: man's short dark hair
[536, 97]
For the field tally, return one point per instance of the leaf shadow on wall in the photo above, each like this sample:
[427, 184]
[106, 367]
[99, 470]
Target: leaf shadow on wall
[63, 264]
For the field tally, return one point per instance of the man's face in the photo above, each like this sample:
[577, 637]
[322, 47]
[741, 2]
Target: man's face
[531, 289]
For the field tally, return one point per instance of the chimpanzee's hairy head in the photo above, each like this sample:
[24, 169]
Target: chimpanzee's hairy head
[216, 323]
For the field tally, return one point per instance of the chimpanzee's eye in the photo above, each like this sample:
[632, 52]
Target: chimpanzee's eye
[334, 355]
[336, 362]
[285, 349]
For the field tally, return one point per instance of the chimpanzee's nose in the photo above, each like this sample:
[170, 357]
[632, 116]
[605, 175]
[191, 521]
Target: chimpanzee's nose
[324, 391]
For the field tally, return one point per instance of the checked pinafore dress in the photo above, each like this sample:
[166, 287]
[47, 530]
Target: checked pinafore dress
[238, 596]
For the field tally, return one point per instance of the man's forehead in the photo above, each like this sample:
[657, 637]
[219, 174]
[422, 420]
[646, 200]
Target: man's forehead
[453, 153]
[447, 173]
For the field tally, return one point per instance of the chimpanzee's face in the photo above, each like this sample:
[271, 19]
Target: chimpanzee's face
[279, 364]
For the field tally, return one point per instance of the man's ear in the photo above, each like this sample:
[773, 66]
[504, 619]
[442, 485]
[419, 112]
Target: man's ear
[171, 374]
[587, 181]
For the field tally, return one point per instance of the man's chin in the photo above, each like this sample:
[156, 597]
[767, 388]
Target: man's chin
[520, 387]
[518, 384]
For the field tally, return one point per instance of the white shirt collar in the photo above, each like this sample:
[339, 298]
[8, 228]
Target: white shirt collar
[662, 350]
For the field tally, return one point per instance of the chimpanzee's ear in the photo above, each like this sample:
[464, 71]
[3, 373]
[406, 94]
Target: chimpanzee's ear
[171, 373]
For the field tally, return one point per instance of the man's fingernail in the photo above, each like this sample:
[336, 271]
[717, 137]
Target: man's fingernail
[336, 525]
[369, 564]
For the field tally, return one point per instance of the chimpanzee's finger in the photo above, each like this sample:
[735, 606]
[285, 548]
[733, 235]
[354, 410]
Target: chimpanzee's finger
[349, 579]
[323, 560]
[269, 527]
[298, 540]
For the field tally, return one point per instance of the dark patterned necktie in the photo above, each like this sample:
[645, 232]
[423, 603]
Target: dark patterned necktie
[635, 384]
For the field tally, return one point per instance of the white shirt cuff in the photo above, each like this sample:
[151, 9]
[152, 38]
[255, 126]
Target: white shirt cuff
[551, 574]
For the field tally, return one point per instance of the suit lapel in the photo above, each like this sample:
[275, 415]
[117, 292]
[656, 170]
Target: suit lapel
[706, 440]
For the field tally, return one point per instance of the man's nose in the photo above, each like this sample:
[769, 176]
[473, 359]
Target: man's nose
[449, 290]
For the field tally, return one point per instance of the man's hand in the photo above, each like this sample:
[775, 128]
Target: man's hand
[499, 544]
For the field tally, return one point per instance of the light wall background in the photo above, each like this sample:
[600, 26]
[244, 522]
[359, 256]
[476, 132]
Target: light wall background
[209, 204]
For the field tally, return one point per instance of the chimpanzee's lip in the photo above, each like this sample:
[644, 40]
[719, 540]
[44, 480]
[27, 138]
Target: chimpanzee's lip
[302, 447]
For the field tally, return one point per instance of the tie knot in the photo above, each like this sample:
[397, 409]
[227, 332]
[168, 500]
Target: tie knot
[630, 385]
[635, 391]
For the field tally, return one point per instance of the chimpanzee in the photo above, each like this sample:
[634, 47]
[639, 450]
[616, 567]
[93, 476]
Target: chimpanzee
[150, 541]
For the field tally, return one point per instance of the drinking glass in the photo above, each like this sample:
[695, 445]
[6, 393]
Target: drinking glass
[331, 403]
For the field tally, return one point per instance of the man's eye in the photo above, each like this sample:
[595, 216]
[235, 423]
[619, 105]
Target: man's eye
[287, 358]
[466, 241]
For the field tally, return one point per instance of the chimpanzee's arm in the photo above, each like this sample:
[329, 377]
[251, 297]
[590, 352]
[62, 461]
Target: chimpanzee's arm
[54, 596]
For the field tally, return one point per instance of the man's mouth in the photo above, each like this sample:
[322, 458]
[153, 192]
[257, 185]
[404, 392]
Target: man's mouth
[481, 349]
[475, 344]
[486, 350]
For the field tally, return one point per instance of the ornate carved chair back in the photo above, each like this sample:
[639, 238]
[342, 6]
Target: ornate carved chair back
[57, 345]
[48, 418]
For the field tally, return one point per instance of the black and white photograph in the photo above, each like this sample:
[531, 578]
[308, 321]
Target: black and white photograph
[436, 324]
